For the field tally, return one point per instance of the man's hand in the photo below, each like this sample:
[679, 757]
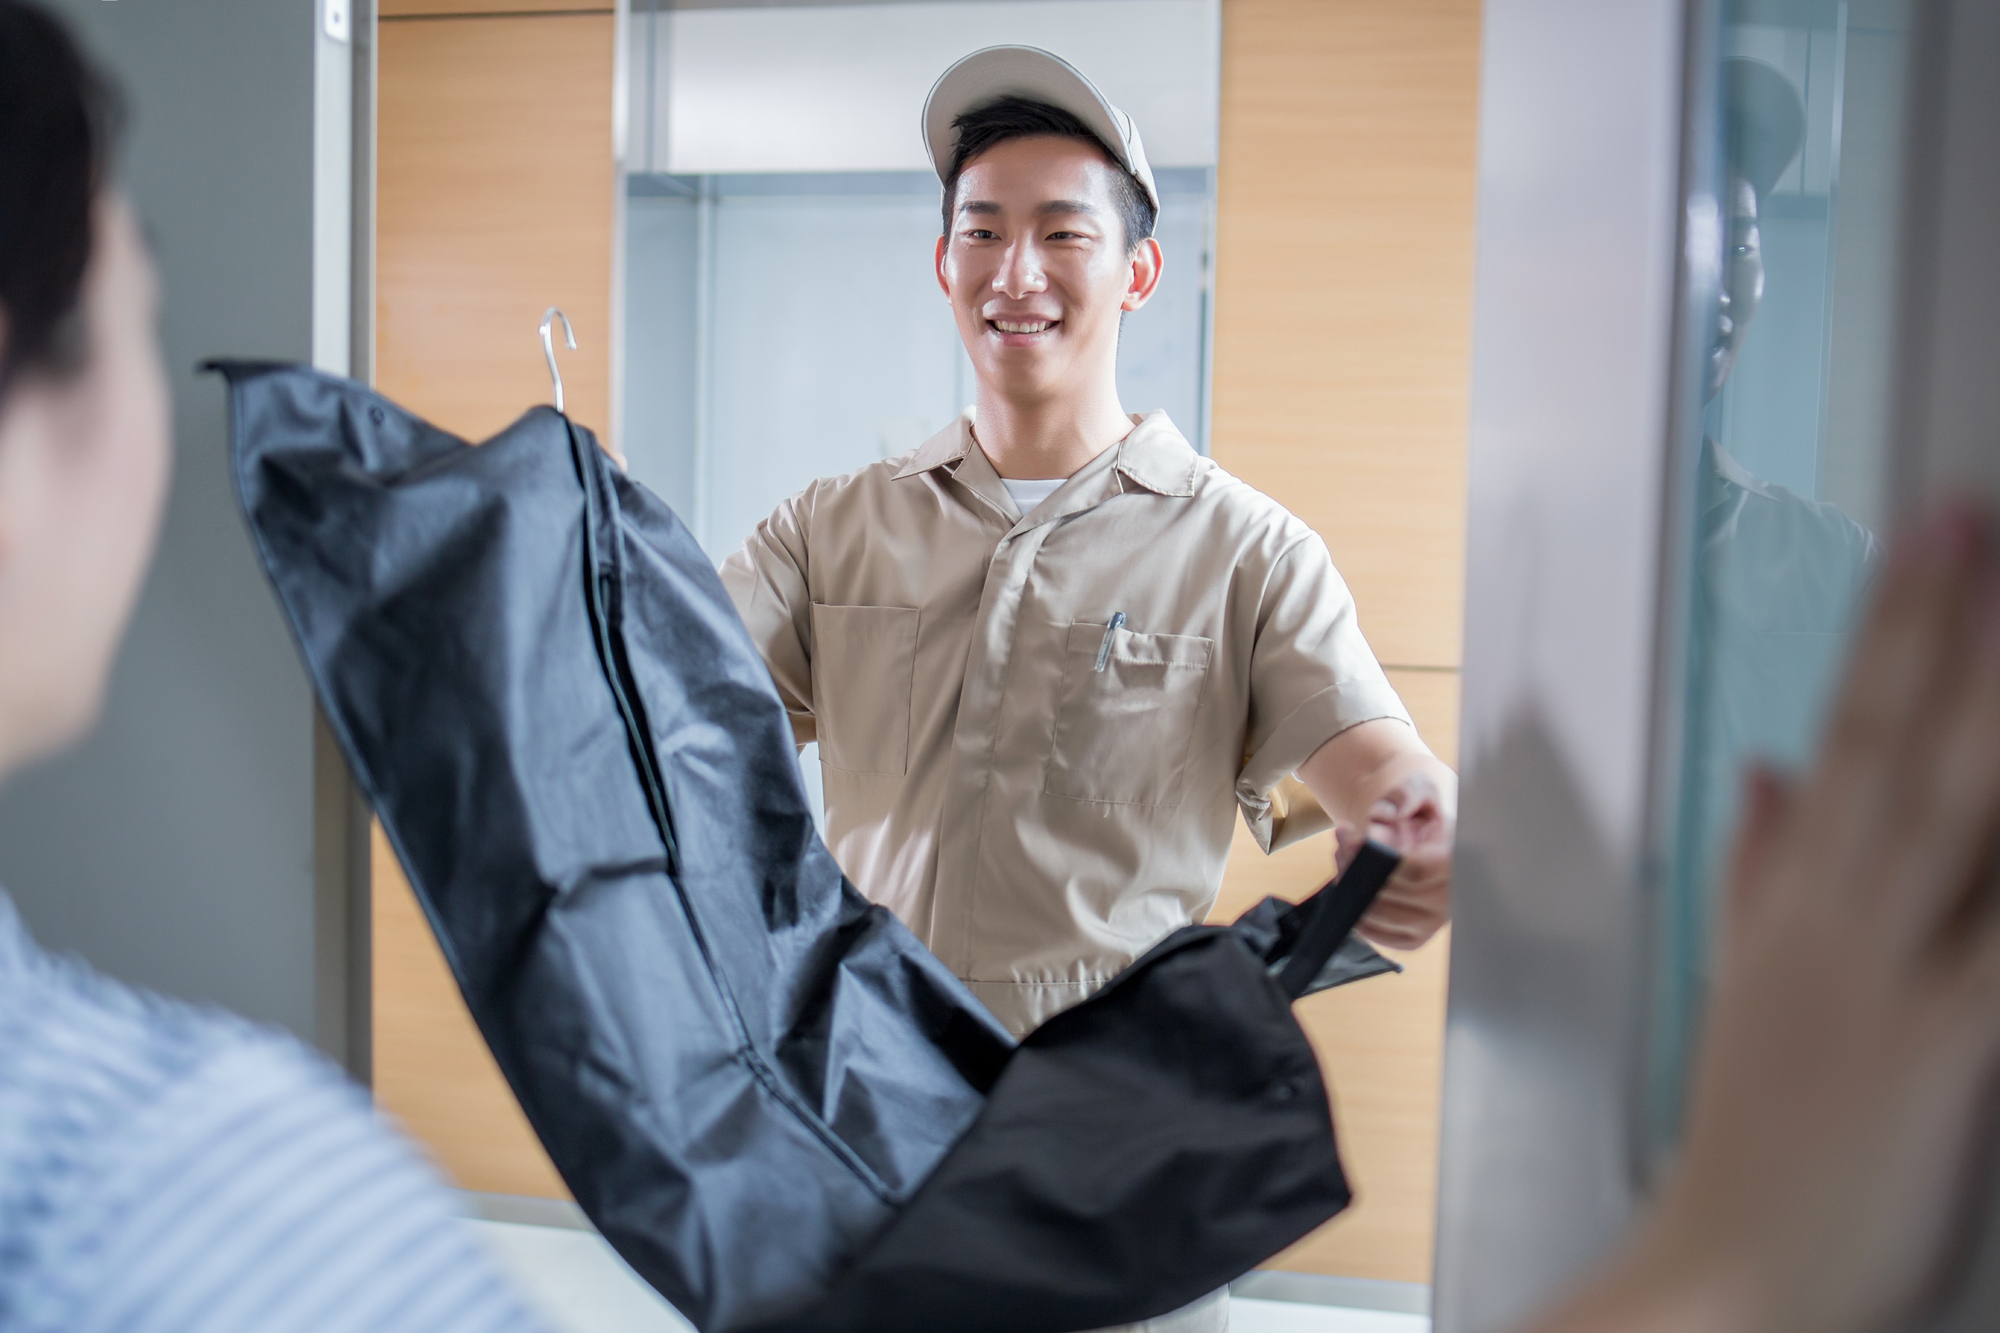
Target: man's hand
[1411, 818]
[1380, 777]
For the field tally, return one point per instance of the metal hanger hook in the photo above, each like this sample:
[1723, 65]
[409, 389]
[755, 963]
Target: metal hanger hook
[549, 317]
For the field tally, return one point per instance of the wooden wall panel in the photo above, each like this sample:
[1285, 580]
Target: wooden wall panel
[495, 184]
[1344, 290]
[396, 9]
[1342, 349]
[432, 1069]
[494, 196]
[1380, 1044]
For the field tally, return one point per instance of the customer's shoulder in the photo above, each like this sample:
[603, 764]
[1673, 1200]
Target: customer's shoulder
[129, 1121]
[84, 1057]
[69, 1031]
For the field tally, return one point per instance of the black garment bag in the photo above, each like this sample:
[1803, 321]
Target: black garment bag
[777, 1105]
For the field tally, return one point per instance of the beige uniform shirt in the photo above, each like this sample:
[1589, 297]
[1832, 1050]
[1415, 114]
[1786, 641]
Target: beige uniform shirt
[1039, 807]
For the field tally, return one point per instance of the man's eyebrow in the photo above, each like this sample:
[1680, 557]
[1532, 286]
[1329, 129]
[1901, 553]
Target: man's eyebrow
[1054, 207]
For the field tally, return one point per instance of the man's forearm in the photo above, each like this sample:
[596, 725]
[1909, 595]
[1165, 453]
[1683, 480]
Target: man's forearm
[1355, 769]
[1379, 780]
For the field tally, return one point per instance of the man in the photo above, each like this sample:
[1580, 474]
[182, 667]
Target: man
[1048, 654]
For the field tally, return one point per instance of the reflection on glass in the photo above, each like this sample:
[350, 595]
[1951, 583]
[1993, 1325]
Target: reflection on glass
[1787, 476]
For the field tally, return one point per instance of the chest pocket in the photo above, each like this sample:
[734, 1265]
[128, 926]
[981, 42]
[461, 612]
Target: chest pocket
[1122, 734]
[864, 659]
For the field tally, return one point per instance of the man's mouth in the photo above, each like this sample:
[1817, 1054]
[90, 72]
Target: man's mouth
[1023, 325]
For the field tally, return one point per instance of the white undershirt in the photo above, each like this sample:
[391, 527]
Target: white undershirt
[1028, 494]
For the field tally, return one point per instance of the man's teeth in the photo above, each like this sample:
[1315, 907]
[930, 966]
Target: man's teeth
[1039, 326]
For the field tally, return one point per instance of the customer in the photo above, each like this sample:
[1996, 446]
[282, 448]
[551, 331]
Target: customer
[161, 1166]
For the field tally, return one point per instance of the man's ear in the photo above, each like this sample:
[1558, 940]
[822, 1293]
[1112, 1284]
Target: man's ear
[1147, 263]
[944, 285]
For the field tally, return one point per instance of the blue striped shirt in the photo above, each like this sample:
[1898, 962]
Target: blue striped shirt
[167, 1167]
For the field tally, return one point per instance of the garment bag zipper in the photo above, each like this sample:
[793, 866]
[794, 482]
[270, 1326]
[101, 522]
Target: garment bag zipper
[606, 608]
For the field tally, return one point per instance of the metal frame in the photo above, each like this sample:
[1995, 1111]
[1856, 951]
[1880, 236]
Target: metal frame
[1946, 412]
[1947, 406]
[1575, 333]
[344, 273]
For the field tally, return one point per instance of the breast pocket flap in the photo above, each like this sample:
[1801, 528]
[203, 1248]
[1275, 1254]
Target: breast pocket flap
[1126, 719]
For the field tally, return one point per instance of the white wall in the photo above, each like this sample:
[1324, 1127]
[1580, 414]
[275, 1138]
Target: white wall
[807, 337]
[841, 87]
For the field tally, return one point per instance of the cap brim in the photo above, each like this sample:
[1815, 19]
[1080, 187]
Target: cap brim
[986, 76]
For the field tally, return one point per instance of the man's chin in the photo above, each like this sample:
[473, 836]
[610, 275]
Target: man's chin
[1020, 373]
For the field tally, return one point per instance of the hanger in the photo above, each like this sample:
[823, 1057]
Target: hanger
[549, 317]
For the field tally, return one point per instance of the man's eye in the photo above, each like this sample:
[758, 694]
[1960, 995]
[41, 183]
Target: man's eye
[1066, 236]
[981, 234]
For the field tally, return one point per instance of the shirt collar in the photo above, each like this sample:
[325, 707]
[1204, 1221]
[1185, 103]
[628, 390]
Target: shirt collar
[1158, 456]
[1155, 455]
[947, 448]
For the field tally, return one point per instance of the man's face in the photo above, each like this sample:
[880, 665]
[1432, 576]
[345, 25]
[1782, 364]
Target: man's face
[1742, 281]
[1036, 268]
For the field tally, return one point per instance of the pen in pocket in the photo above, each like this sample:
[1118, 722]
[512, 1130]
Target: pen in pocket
[1104, 649]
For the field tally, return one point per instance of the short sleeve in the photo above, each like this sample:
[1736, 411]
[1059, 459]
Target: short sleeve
[1312, 676]
[258, 1191]
[767, 580]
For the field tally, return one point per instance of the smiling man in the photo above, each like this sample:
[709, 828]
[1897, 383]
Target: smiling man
[1051, 653]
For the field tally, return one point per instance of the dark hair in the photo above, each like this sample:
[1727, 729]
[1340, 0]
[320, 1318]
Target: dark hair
[1023, 118]
[56, 118]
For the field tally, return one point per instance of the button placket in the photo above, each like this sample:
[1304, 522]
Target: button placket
[976, 730]
[974, 738]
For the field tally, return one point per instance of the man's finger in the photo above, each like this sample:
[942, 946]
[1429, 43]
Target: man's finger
[1425, 893]
[1422, 864]
[1410, 916]
[1396, 936]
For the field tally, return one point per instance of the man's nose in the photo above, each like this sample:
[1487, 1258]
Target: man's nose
[1020, 271]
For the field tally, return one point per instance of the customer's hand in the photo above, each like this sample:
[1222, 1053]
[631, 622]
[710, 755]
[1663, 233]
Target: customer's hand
[1854, 1023]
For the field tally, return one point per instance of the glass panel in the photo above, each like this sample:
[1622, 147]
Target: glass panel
[1784, 488]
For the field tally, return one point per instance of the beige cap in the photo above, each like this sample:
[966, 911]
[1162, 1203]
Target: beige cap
[984, 77]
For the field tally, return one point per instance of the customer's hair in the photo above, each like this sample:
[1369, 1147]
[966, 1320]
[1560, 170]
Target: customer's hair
[56, 121]
[1023, 118]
